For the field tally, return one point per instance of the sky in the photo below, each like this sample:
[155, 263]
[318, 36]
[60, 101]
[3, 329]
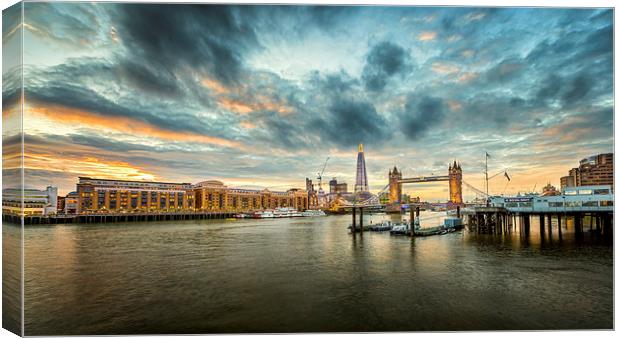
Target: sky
[260, 96]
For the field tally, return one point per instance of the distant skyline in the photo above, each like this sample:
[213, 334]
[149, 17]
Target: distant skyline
[259, 96]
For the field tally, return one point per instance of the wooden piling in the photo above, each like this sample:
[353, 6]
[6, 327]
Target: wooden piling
[361, 221]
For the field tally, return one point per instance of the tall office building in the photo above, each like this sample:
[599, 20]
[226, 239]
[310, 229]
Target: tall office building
[361, 179]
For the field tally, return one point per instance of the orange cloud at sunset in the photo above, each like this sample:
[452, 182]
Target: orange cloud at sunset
[262, 103]
[444, 68]
[235, 106]
[427, 36]
[86, 166]
[467, 76]
[124, 124]
[214, 86]
[247, 124]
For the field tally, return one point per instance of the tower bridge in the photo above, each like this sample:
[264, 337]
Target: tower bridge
[454, 178]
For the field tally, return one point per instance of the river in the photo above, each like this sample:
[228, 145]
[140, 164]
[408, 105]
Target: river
[307, 275]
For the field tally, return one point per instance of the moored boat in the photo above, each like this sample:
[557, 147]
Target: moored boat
[313, 213]
[384, 226]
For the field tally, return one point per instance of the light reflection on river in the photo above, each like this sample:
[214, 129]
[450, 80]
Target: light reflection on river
[307, 274]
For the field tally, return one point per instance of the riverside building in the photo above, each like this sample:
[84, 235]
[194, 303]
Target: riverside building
[105, 196]
[594, 170]
[215, 196]
[96, 195]
[35, 202]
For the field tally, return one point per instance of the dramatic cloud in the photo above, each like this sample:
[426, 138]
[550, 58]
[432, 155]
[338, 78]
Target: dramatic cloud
[421, 114]
[384, 60]
[258, 95]
[210, 39]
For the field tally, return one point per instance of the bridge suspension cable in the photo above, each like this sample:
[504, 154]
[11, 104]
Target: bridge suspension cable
[478, 191]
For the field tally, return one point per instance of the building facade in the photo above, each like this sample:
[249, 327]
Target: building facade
[71, 203]
[215, 196]
[35, 202]
[104, 195]
[597, 170]
[336, 188]
[313, 197]
[112, 196]
[594, 170]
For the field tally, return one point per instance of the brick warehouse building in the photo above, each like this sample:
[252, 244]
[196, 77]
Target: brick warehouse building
[103, 195]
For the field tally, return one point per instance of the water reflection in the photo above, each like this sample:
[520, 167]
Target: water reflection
[309, 274]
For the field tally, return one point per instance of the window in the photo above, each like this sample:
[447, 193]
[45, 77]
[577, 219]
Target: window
[590, 204]
[601, 191]
[585, 192]
[525, 204]
[556, 204]
[573, 204]
[607, 203]
[570, 192]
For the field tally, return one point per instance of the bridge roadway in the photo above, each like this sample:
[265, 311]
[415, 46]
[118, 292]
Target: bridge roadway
[425, 179]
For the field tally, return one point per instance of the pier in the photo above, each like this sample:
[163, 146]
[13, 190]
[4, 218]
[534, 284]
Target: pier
[497, 220]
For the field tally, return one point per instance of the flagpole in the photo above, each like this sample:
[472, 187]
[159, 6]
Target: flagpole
[486, 171]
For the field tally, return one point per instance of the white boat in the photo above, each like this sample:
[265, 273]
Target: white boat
[313, 213]
[399, 229]
[263, 214]
[286, 212]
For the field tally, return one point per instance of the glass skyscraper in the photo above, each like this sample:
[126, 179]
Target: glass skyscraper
[361, 180]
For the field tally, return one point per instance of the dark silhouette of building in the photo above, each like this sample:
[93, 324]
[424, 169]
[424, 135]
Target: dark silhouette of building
[336, 188]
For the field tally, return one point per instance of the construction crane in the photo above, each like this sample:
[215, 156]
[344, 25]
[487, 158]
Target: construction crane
[320, 175]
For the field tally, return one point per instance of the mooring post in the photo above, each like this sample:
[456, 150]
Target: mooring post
[458, 211]
[526, 221]
[353, 225]
[361, 221]
[498, 224]
[411, 216]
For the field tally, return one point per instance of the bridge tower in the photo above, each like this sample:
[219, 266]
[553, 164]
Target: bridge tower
[456, 183]
[396, 188]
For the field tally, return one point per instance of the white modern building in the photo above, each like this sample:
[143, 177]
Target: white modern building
[35, 202]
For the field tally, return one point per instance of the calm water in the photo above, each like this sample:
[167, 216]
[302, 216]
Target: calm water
[307, 274]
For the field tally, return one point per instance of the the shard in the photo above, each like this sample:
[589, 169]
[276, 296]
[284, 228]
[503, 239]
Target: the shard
[361, 180]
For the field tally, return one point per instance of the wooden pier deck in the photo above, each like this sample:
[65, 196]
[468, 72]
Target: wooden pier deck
[498, 220]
